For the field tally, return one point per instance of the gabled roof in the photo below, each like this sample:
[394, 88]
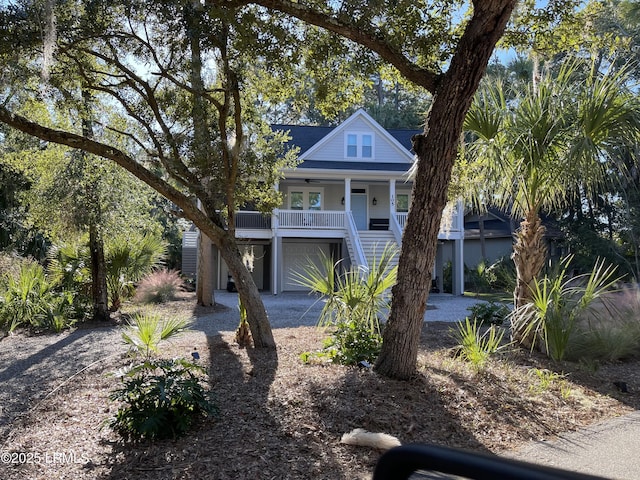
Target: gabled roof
[310, 139]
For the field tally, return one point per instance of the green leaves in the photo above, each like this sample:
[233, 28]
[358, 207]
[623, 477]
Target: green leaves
[161, 399]
[354, 301]
[145, 332]
[558, 302]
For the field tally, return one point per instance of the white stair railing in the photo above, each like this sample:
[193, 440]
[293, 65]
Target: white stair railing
[354, 238]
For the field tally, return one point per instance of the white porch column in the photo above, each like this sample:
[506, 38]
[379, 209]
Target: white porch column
[275, 247]
[392, 197]
[276, 264]
[458, 266]
[347, 194]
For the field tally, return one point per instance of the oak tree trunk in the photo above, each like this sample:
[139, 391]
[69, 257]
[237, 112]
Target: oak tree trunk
[436, 151]
[248, 293]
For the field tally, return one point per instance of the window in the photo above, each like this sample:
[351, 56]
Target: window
[297, 201]
[305, 199]
[358, 145]
[352, 145]
[367, 146]
[402, 202]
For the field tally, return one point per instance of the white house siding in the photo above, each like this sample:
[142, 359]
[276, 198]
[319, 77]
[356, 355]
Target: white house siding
[333, 148]
[297, 256]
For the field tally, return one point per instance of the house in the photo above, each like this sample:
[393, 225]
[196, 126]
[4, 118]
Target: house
[348, 197]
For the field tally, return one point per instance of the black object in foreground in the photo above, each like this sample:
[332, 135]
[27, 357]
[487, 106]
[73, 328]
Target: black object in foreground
[423, 461]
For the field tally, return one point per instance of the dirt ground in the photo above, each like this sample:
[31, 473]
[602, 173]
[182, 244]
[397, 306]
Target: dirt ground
[282, 419]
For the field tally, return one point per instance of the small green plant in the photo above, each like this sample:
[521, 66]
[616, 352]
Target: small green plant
[546, 379]
[476, 347]
[354, 301]
[144, 332]
[31, 299]
[557, 302]
[493, 313]
[158, 287]
[161, 399]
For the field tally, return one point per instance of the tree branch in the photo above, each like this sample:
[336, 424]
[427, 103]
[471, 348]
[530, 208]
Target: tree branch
[111, 153]
[371, 38]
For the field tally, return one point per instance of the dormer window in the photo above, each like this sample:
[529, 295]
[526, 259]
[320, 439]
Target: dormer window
[359, 145]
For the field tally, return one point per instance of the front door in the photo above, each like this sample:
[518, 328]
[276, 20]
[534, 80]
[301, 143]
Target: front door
[359, 210]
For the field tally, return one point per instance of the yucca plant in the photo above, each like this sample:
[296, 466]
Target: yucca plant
[128, 259]
[557, 302]
[476, 347]
[354, 302]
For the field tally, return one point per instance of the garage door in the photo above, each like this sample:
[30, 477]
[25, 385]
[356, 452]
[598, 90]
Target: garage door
[296, 257]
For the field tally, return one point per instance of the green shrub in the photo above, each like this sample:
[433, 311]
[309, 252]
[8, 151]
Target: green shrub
[503, 275]
[68, 265]
[161, 399]
[158, 287]
[480, 277]
[354, 302]
[489, 312]
[349, 344]
[476, 347]
[129, 259]
[31, 299]
[558, 301]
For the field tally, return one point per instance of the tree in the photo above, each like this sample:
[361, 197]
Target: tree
[151, 118]
[552, 143]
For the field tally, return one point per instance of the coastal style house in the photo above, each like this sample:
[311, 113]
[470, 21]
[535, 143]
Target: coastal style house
[347, 198]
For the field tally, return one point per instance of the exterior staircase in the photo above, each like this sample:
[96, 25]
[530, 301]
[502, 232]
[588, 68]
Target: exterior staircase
[373, 243]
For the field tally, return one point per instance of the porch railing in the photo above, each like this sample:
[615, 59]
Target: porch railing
[252, 220]
[311, 219]
[454, 226]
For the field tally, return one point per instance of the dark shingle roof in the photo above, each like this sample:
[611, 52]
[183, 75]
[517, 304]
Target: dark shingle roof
[306, 136]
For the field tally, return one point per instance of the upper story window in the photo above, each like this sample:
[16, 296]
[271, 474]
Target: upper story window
[359, 145]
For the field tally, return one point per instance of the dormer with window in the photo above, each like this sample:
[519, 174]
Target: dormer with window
[359, 145]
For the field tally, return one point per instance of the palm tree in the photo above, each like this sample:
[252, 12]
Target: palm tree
[538, 148]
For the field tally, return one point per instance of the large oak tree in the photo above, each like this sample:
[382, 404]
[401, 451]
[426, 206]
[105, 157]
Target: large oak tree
[168, 86]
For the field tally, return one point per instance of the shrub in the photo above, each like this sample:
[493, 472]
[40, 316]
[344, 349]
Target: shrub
[69, 267]
[158, 287]
[611, 331]
[476, 347]
[162, 399]
[489, 312]
[504, 275]
[480, 277]
[31, 299]
[354, 302]
[558, 301]
[129, 259]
